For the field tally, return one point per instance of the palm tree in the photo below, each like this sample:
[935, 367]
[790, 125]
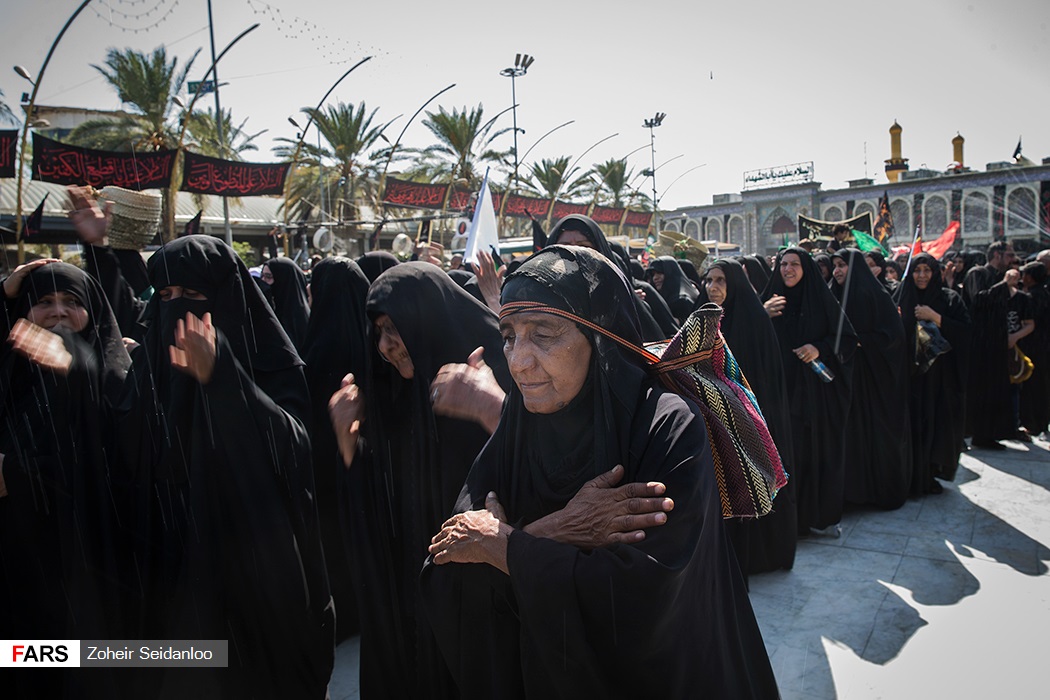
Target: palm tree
[611, 183]
[349, 134]
[202, 131]
[6, 115]
[549, 179]
[464, 145]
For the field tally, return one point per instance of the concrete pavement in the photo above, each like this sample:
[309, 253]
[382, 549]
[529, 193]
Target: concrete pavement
[946, 597]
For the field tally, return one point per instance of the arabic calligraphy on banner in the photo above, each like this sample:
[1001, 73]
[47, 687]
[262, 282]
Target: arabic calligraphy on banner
[63, 164]
[8, 139]
[779, 175]
[204, 175]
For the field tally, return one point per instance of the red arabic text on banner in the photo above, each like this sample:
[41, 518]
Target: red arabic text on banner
[565, 208]
[62, 164]
[8, 140]
[226, 178]
[606, 215]
[639, 219]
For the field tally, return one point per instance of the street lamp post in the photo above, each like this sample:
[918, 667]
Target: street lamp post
[651, 124]
[522, 61]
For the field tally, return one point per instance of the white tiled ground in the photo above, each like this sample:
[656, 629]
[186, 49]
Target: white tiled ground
[946, 597]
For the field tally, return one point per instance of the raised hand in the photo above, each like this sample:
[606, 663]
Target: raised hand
[195, 347]
[40, 346]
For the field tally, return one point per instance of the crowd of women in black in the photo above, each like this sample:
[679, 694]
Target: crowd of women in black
[190, 453]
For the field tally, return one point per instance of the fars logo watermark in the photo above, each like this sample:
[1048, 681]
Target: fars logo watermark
[39, 653]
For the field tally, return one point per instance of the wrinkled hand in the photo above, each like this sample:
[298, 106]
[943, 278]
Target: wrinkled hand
[129, 344]
[468, 391]
[950, 269]
[490, 280]
[806, 353]
[925, 313]
[432, 252]
[40, 346]
[346, 409]
[473, 537]
[13, 283]
[195, 347]
[774, 306]
[601, 513]
[90, 221]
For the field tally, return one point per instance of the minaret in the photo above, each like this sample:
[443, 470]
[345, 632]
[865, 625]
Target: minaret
[957, 150]
[895, 164]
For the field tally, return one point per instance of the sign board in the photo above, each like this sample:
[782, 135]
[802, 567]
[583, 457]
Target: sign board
[208, 86]
[793, 174]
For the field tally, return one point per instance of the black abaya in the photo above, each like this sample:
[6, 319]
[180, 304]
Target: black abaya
[676, 289]
[667, 617]
[288, 295]
[938, 395]
[989, 408]
[818, 409]
[878, 445]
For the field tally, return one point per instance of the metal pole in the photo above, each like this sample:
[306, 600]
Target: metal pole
[514, 102]
[218, 126]
[652, 152]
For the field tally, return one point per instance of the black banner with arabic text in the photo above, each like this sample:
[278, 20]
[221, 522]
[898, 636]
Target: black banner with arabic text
[8, 140]
[226, 178]
[62, 164]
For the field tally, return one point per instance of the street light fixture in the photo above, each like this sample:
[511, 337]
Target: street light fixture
[21, 70]
[522, 61]
[651, 124]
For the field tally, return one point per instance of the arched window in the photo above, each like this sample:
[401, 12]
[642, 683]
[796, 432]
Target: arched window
[714, 230]
[903, 228]
[864, 207]
[934, 217]
[784, 225]
[1020, 207]
[832, 214]
[736, 231]
[692, 229]
[975, 214]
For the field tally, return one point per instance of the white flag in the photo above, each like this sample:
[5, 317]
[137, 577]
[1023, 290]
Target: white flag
[483, 232]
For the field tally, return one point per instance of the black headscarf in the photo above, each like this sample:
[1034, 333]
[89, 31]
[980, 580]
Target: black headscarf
[758, 272]
[824, 263]
[421, 459]
[468, 281]
[676, 290]
[225, 511]
[619, 417]
[691, 273]
[290, 303]
[651, 327]
[376, 263]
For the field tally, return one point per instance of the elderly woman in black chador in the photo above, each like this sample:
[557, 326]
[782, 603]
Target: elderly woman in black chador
[336, 344]
[813, 331]
[544, 585]
[878, 444]
[653, 315]
[287, 287]
[423, 442]
[768, 543]
[61, 564]
[938, 390]
[676, 289]
[214, 433]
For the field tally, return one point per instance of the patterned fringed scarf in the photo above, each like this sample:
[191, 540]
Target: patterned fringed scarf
[697, 364]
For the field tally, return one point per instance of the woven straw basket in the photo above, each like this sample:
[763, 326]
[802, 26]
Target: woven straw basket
[136, 217]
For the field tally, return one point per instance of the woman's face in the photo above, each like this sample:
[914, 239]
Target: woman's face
[392, 348]
[267, 276]
[840, 270]
[178, 292]
[873, 266]
[658, 280]
[891, 274]
[922, 275]
[548, 357]
[716, 285]
[791, 269]
[577, 238]
[59, 310]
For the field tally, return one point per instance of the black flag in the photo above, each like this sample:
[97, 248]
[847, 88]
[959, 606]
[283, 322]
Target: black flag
[193, 226]
[34, 222]
[1017, 151]
[539, 238]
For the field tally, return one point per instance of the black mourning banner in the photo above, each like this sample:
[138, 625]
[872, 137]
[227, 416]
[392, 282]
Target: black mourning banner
[8, 139]
[63, 164]
[226, 178]
[812, 228]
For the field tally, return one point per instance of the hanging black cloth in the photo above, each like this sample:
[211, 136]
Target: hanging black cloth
[938, 396]
[667, 617]
[376, 263]
[766, 543]
[652, 331]
[228, 538]
[289, 299]
[989, 411]
[878, 438]
[421, 461]
[758, 272]
[818, 409]
[675, 289]
[336, 345]
[64, 572]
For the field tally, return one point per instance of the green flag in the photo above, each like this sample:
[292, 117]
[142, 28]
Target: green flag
[866, 242]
